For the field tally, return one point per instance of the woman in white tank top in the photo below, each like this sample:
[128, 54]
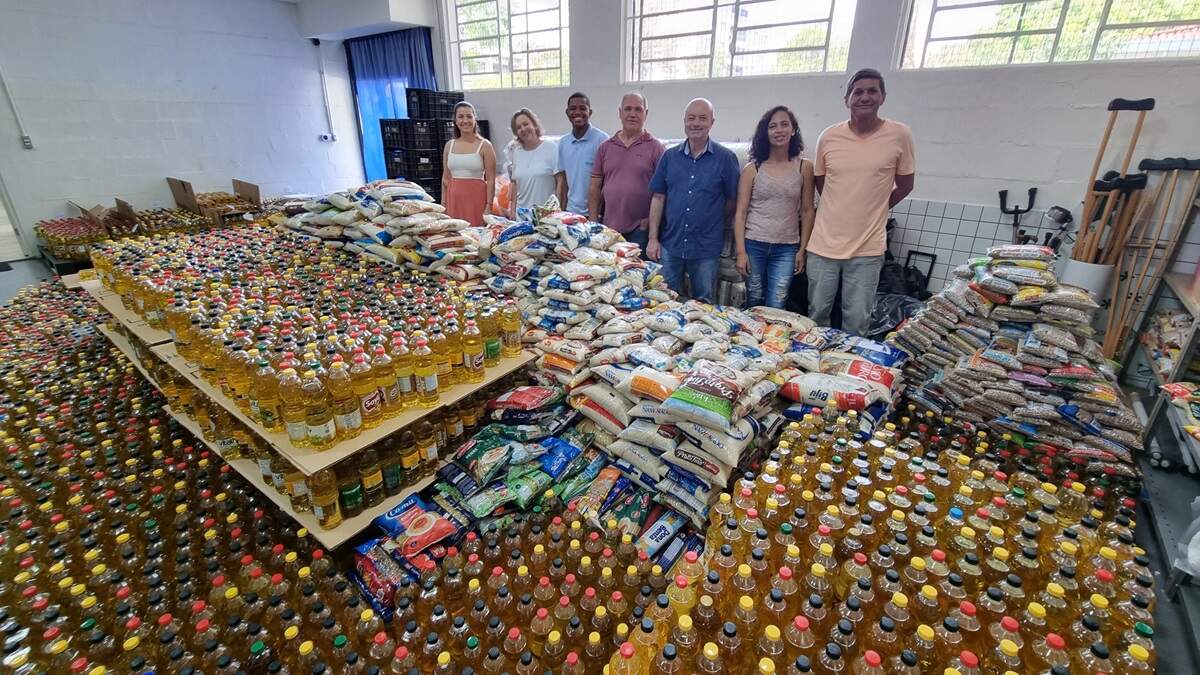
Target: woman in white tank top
[468, 169]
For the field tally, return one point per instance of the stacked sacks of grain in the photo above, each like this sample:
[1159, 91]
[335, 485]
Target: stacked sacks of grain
[1005, 345]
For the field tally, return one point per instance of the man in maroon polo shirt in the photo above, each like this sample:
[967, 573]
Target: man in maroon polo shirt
[619, 194]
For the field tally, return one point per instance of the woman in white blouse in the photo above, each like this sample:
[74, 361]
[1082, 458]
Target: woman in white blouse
[534, 166]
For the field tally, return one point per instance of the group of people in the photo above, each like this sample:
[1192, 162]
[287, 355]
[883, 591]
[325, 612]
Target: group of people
[677, 202]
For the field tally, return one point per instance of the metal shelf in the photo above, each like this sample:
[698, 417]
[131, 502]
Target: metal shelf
[311, 461]
[1187, 292]
[331, 539]
[126, 347]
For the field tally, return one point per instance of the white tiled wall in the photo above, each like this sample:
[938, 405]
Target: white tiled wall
[955, 232]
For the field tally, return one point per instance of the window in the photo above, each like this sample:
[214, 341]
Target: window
[952, 33]
[501, 44]
[685, 39]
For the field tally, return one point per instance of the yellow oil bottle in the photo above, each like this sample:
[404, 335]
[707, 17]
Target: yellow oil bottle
[292, 408]
[346, 414]
[425, 374]
[318, 414]
[369, 397]
[473, 353]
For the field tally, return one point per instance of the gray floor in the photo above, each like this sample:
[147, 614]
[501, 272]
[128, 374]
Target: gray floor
[23, 273]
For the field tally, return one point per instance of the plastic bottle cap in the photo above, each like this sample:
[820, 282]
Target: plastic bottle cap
[541, 614]
[444, 659]
[1099, 601]
[514, 633]
[1009, 648]
[710, 650]
[900, 600]
[306, 647]
[1139, 653]
[1009, 624]
[1108, 553]
[872, 658]
[771, 631]
[818, 570]
[366, 615]
[925, 632]
[968, 658]
[745, 603]
[917, 563]
[929, 592]
[1055, 641]
[627, 650]
[744, 570]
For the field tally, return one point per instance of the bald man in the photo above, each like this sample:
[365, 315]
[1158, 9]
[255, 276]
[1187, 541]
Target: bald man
[695, 191]
[619, 194]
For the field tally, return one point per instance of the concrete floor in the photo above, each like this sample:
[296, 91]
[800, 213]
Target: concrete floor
[23, 273]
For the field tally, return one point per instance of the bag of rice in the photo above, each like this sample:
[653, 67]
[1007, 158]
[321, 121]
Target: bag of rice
[844, 393]
[727, 446]
[650, 383]
[659, 437]
[694, 460]
[706, 398]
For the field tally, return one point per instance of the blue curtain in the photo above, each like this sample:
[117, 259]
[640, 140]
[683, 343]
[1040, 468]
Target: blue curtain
[382, 67]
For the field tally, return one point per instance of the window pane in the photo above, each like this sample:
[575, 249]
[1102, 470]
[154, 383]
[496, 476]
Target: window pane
[683, 69]
[783, 11]
[1141, 11]
[656, 6]
[477, 29]
[1079, 30]
[774, 64]
[532, 5]
[543, 20]
[543, 40]
[1149, 43]
[520, 79]
[781, 37]
[1033, 48]
[976, 20]
[675, 24]
[482, 10]
[481, 65]
[546, 78]
[480, 81]
[671, 48]
[520, 61]
[479, 48]
[544, 59]
[978, 52]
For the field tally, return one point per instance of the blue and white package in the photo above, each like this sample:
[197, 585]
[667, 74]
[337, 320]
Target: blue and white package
[558, 456]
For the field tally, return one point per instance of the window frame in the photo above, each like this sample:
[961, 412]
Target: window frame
[505, 54]
[632, 39]
[1057, 31]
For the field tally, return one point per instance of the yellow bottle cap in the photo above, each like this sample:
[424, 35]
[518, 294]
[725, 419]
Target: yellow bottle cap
[1076, 486]
[444, 659]
[1068, 547]
[291, 632]
[585, 561]
[766, 666]
[1098, 601]
[656, 570]
[539, 549]
[995, 532]
[685, 622]
[606, 572]
[710, 651]
[88, 602]
[772, 632]
[826, 549]
[965, 490]
[925, 632]
[306, 648]
[131, 644]
[744, 570]
[367, 615]
[58, 646]
[601, 611]
[473, 585]
[622, 629]
[917, 563]
[897, 514]
[1009, 648]
[1108, 553]
[1139, 653]
[522, 571]
[1000, 553]
[951, 671]
[817, 569]
[808, 495]
[574, 544]
[1056, 590]
[1050, 487]
[98, 670]
[793, 551]
[593, 638]
[304, 572]
[900, 600]
[631, 570]
[929, 592]
[745, 603]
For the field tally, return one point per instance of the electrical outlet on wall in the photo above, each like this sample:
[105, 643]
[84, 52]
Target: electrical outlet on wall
[27, 142]
[328, 138]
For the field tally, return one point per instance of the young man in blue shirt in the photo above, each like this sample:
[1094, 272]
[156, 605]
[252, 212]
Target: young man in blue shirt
[695, 188]
[577, 154]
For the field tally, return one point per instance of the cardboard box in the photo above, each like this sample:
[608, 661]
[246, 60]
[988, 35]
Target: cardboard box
[185, 198]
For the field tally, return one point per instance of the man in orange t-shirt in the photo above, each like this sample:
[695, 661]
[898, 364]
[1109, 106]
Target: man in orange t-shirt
[863, 167]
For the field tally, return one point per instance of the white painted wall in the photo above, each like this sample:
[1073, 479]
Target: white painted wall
[977, 130]
[119, 95]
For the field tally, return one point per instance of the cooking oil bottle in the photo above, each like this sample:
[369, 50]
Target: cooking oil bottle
[369, 396]
[510, 330]
[347, 416]
[292, 407]
[323, 491]
[472, 352]
[425, 373]
[489, 326]
[386, 381]
[402, 363]
[264, 397]
[318, 415]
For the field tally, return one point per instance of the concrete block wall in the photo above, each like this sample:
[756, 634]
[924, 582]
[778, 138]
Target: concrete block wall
[119, 95]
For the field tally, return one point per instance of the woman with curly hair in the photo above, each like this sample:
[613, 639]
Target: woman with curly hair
[775, 209]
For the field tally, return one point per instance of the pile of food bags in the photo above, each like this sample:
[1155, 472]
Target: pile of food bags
[1005, 345]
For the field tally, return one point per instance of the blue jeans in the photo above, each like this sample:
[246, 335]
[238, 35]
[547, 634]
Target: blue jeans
[859, 277]
[771, 272]
[701, 271]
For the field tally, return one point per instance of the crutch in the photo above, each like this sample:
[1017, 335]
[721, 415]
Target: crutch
[1124, 187]
[1136, 227]
[1115, 106]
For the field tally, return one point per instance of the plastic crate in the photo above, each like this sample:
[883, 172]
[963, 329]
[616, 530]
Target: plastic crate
[413, 164]
[485, 129]
[431, 185]
[416, 99]
[445, 130]
[410, 134]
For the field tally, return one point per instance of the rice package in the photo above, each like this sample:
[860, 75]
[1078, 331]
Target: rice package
[844, 393]
[706, 398]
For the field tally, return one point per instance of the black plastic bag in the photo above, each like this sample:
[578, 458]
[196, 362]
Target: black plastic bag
[891, 309]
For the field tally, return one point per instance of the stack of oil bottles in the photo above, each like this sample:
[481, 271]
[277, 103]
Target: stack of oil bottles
[929, 547]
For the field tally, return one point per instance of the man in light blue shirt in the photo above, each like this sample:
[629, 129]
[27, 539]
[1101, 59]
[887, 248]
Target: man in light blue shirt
[577, 153]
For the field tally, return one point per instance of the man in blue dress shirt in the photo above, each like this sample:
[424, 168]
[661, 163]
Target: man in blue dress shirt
[577, 154]
[695, 187]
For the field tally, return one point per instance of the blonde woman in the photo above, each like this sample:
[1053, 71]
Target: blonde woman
[469, 169]
[534, 165]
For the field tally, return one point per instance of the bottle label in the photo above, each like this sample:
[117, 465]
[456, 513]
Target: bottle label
[405, 384]
[297, 431]
[264, 466]
[456, 358]
[430, 452]
[347, 421]
[298, 488]
[391, 393]
[409, 460]
[372, 402]
[372, 480]
[475, 361]
[322, 433]
[351, 496]
[443, 367]
[512, 339]
[279, 483]
[491, 348]
[268, 415]
[427, 384]
[225, 445]
[391, 477]
[454, 427]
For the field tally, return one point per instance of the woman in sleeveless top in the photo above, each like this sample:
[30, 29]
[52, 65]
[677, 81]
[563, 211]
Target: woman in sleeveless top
[774, 210]
[469, 169]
